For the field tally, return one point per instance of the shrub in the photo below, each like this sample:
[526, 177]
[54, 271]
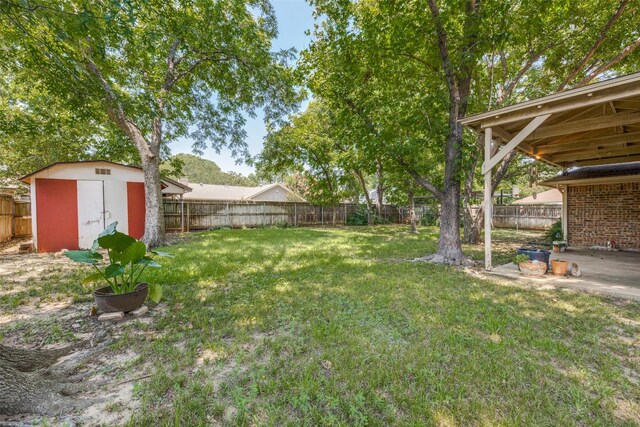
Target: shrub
[430, 216]
[554, 233]
[360, 217]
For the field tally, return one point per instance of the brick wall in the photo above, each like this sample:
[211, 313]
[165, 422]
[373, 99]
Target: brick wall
[599, 212]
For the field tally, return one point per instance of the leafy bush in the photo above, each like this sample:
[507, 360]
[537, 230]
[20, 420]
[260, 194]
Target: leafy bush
[554, 233]
[361, 217]
[430, 217]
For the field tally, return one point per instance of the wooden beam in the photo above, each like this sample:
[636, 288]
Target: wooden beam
[571, 137]
[595, 154]
[584, 101]
[627, 104]
[584, 125]
[488, 204]
[507, 136]
[605, 141]
[607, 161]
[489, 163]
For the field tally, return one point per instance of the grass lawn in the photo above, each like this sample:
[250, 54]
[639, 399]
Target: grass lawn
[337, 327]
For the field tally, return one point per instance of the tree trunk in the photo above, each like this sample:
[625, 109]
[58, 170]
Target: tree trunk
[365, 191]
[154, 208]
[473, 223]
[380, 189]
[412, 214]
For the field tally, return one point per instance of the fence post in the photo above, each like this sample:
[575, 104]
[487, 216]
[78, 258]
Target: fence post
[228, 215]
[345, 214]
[321, 215]
[188, 216]
[517, 211]
[295, 214]
[181, 214]
[264, 213]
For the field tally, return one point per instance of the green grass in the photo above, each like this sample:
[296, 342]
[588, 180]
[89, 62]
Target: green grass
[336, 327]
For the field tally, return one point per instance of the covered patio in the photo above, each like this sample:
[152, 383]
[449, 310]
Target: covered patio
[595, 125]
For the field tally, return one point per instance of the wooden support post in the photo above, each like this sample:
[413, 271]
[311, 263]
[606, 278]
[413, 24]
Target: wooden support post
[295, 214]
[228, 216]
[488, 205]
[563, 214]
[321, 215]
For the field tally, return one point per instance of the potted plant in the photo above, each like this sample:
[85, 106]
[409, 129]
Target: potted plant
[528, 267]
[127, 258]
[559, 267]
[559, 245]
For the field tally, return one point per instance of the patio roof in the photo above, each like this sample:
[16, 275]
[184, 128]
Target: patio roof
[591, 125]
[597, 124]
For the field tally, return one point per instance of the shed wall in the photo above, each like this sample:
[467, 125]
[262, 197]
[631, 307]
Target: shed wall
[599, 212]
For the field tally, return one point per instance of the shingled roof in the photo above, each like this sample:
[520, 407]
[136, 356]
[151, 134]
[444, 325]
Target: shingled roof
[623, 171]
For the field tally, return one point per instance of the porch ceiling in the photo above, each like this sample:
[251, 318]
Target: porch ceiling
[591, 125]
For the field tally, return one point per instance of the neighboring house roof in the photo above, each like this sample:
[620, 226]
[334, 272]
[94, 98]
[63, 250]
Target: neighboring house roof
[165, 181]
[549, 197]
[602, 173]
[231, 192]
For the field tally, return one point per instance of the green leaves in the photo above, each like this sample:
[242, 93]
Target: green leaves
[87, 257]
[155, 293]
[127, 261]
[112, 239]
[114, 270]
[132, 253]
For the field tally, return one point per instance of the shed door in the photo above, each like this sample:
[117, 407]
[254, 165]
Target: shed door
[56, 214]
[91, 212]
[115, 204]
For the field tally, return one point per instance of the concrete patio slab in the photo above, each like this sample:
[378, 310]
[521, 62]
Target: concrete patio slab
[611, 273]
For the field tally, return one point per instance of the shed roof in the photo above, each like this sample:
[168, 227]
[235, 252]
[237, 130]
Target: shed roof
[592, 174]
[27, 178]
[590, 125]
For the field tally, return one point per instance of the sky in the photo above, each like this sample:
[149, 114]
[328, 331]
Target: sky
[294, 18]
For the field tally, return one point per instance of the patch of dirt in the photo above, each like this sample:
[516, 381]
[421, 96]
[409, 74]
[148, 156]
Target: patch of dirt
[111, 374]
[18, 268]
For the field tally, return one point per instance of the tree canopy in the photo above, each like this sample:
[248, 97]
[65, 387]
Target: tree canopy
[158, 70]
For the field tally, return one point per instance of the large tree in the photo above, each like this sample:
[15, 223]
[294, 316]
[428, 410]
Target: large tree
[410, 71]
[159, 70]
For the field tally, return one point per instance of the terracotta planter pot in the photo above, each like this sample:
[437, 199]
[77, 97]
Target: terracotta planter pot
[558, 267]
[108, 302]
[533, 269]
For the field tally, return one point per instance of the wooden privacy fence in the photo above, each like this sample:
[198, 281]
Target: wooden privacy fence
[527, 217]
[15, 218]
[204, 214]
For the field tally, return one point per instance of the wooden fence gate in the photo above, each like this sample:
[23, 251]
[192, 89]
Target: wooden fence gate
[15, 218]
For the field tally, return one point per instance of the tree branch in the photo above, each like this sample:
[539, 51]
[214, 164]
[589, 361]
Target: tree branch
[117, 114]
[444, 51]
[616, 59]
[596, 45]
[423, 182]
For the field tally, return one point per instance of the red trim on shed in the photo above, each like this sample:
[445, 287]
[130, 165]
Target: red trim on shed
[57, 214]
[136, 208]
